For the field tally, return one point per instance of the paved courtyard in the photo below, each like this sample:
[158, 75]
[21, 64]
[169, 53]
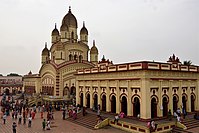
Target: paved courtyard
[58, 126]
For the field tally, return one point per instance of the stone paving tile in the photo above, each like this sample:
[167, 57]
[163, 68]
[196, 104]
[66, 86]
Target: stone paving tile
[58, 126]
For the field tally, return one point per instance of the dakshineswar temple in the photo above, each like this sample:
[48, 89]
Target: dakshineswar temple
[144, 88]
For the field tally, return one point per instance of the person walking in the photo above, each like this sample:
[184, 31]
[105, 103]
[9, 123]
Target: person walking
[29, 121]
[24, 120]
[44, 124]
[20, 117]
[4, 118]
[64, 114]
[48, 125]
[14, 127]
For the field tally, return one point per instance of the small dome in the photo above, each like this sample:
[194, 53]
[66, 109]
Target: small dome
[94, 49]
[55, 32]
[69, 19]
[45, 51]
[84, 30]
[64, 27]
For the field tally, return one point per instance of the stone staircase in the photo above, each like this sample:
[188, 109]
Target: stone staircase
[179, 130]
[88, 121]
[189, 122]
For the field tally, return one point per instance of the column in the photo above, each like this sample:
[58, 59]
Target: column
[188, 103]
[159, 106]
[145, 112]
[77, 93]
[129, 94]
[99, 101]
[118, 104]
[84, 94]
[108, 103]
[170, 93]
[197, 95]
[180, 94]
[91, 95]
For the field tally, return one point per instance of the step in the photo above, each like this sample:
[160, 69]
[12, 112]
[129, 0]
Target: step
[88, 121]
[179, 130]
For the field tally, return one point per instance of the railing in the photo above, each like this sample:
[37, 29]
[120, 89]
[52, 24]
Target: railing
[102, 124]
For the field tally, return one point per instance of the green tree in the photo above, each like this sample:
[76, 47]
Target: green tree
[188, 63]
[13, 74]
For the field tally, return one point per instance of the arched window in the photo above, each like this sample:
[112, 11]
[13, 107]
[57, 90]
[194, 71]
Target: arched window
[72, 35]
[65, 35]
[70, 57]
[80, 58]
[75, 57]
[61, 55]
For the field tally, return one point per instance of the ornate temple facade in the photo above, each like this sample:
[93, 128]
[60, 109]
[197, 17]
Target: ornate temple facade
[148, 89]
[59, 63]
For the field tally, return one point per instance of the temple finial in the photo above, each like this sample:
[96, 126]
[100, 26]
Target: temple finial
[55, 26]
[45, 44]
[83, 23]
[69, 9]
[93, 42]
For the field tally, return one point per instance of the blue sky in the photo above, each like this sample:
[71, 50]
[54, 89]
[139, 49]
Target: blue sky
[124, 31]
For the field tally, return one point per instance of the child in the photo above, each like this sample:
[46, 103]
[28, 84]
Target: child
[44, 124]
[14, 126]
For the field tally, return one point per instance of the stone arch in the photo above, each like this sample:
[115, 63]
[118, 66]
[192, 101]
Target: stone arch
[6, 90]
[112, 98]
[80, 58]
[124, 105]
[165, 101]
[75, 57]
[70, 57]
[81, 97]
[175, 102]
[88, 100]
[103, 98]
[154, 102]
[184, 101]
[95, 100]
[136, 105]
[193, 98]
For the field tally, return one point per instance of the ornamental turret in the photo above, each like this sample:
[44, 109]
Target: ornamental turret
[94, 54]
[45, 56]
[55, 35]
[84, 34]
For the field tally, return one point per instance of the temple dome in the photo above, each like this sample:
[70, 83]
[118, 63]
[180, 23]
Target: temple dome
[69, 19]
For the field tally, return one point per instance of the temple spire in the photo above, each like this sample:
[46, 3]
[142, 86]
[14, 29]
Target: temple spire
[69, 9]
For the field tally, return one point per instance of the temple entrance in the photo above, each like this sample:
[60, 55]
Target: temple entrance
[192, 103]
[165, 106]
[136, 107]
[175, 103]
[124, 105]
[95, 98]
[113, 104]
[184, 102]
[104, 103]
[81, 100]
[153, 108]
[7, 91]
[88, 101]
